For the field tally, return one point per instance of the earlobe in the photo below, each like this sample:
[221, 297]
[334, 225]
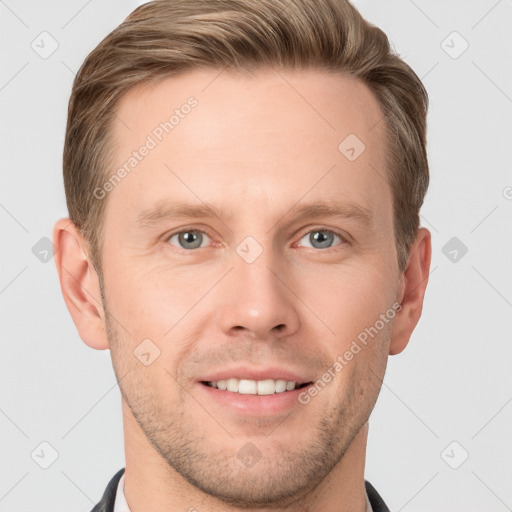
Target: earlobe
[79, 283]
[413, 285]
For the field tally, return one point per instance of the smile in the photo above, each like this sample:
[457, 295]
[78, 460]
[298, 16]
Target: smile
[255, 387]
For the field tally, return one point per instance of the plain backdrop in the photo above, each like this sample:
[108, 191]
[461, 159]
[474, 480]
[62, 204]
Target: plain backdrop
[440, 435]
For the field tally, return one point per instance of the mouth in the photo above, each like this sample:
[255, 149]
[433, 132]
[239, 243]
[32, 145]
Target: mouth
[256, 387]
[265, 397]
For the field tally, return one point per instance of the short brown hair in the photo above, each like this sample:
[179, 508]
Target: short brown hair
[164, 37]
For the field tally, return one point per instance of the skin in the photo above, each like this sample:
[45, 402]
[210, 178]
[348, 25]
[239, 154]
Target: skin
[255, 148]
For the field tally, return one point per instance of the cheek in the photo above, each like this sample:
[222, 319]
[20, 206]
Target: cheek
[152, 300]
[349, 299]
[163, 306]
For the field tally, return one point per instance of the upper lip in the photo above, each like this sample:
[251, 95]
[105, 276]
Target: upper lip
[245, 372]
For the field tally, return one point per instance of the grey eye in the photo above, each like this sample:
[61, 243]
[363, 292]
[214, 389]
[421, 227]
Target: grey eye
[321, 238]
[191, 239]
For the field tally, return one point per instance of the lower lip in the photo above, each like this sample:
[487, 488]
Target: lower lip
[256, 405]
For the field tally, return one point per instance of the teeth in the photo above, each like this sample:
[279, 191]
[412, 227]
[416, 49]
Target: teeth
[248, 387]
[233, 385]
[280, 386]
[253, 387]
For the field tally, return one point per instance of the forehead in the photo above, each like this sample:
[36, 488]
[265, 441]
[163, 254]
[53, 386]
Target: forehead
[271, 136]
[267, 100]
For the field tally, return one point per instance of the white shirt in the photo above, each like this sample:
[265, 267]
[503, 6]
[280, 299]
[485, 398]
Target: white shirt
[120, 504]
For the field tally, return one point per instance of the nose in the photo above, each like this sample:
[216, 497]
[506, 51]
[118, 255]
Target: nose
[258, 300]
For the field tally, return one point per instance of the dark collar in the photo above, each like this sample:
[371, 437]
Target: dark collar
[109, 496]
[376, 501]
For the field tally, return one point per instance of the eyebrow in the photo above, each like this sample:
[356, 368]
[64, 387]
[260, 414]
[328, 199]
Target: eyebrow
[173, 210]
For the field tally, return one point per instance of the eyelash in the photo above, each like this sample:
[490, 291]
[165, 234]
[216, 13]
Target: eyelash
[343, 238]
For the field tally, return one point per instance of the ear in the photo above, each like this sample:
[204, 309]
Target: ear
[412, 291]
[79, 283]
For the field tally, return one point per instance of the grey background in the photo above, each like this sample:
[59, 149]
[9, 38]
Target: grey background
[452, 383]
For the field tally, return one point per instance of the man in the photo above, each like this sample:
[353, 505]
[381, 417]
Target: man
[244, 181]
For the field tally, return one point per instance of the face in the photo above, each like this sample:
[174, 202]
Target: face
[246, 245]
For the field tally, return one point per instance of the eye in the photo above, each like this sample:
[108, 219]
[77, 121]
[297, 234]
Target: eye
[321, 238]
[189, 239]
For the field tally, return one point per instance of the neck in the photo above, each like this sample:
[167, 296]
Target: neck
[151, 484]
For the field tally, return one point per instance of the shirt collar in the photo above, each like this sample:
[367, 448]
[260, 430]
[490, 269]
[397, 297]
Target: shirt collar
[120, 504]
